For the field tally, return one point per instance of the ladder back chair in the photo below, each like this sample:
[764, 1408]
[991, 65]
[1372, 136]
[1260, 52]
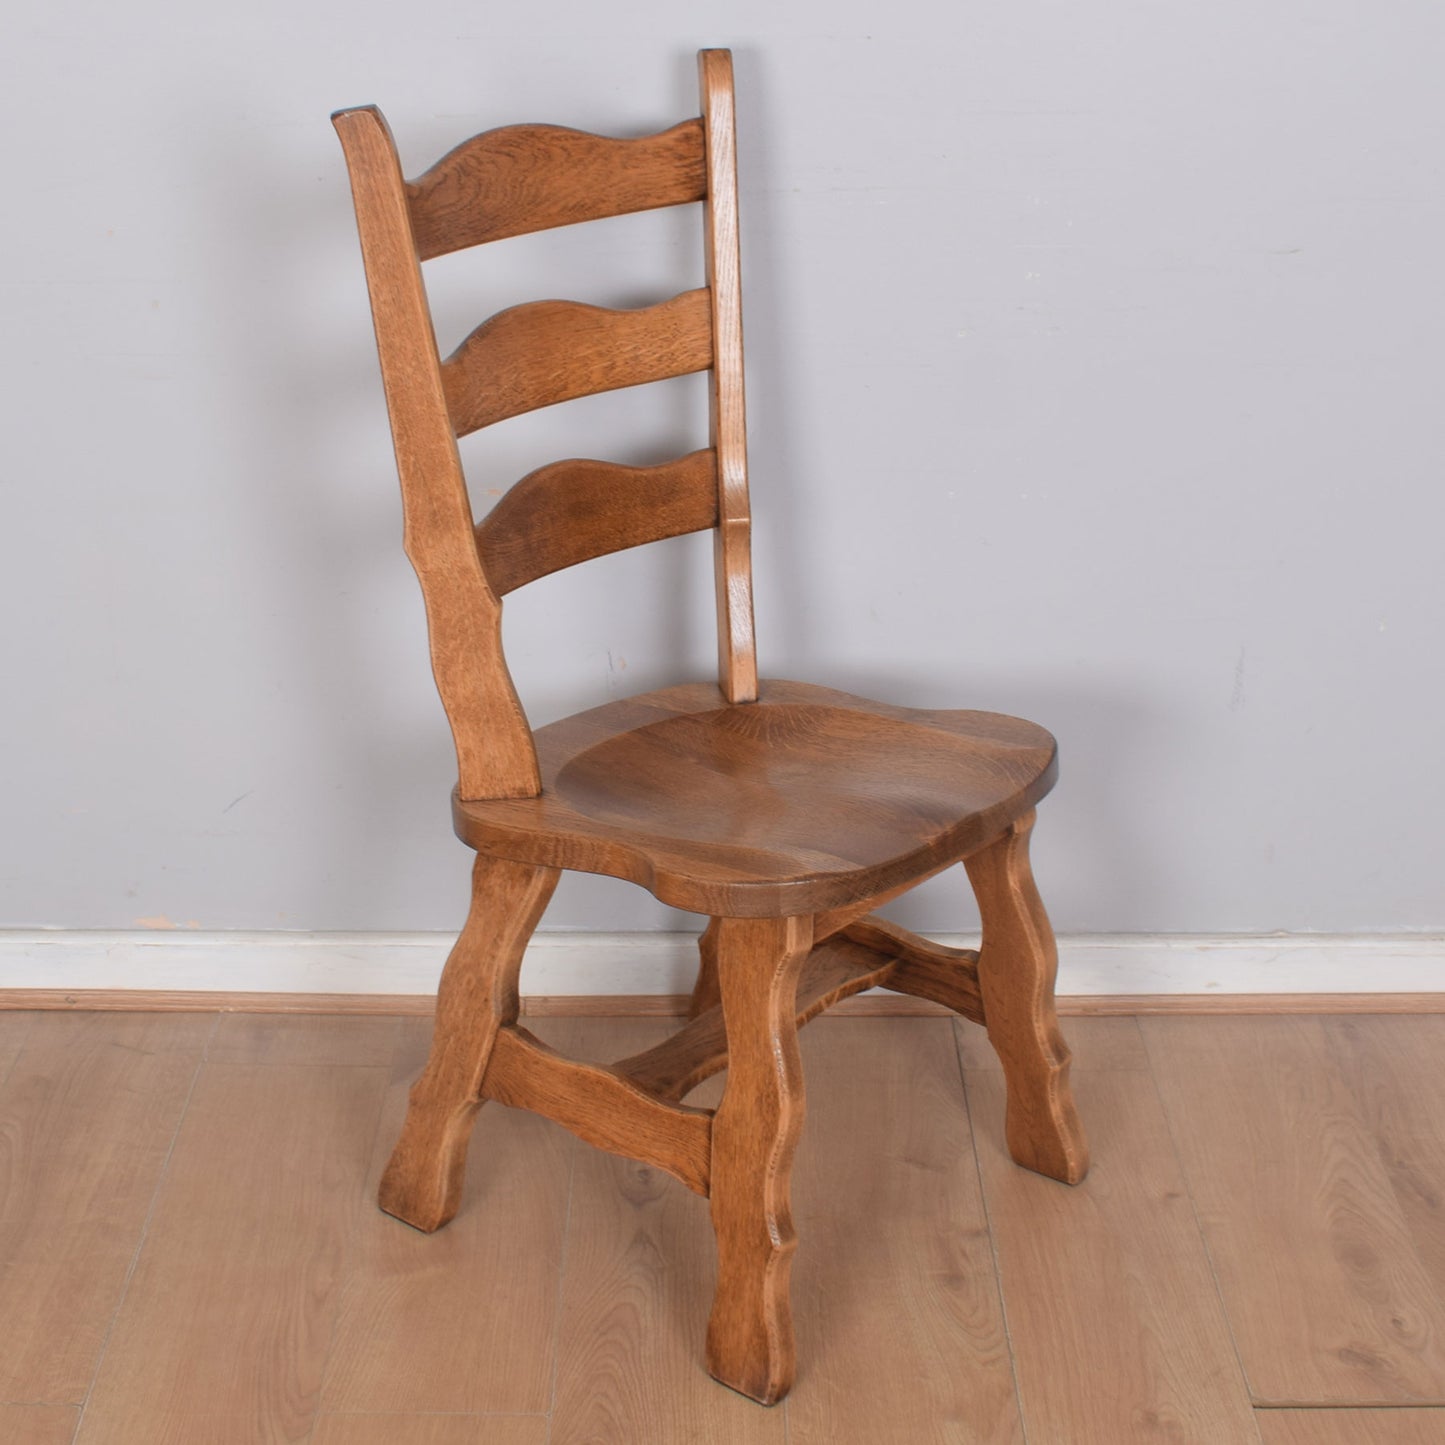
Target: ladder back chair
[784, 812]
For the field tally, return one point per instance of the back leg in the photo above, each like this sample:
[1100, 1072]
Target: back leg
[706, 993]
[1017, 964]
[422, 1184]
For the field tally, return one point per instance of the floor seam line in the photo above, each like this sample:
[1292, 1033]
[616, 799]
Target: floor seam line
[1183, 1168]
[957, 1024]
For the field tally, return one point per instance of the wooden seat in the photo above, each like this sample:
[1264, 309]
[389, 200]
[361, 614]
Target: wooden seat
[784, 812]
[804, 800]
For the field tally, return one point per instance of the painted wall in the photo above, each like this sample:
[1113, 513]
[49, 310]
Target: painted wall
[1094, 375]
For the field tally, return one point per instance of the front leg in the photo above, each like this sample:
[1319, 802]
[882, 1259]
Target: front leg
[478, 994]
[1017, 964]
[754, 1133]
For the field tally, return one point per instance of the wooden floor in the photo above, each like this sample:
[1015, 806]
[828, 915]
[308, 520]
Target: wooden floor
[189, 1253]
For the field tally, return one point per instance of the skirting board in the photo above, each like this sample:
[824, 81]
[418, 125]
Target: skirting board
[568, 965]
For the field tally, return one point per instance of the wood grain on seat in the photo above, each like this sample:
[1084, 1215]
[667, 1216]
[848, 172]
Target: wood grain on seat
[803, 801]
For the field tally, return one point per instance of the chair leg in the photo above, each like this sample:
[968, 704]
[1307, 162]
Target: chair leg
[754, 1134]
[422, 1184]
[1016, 968]
[705, 994]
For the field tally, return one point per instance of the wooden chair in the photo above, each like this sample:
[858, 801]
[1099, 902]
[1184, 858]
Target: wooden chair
[783, 811]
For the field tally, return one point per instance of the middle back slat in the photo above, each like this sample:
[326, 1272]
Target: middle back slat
[550, 351]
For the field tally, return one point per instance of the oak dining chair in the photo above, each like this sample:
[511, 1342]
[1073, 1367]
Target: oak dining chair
[785, 813]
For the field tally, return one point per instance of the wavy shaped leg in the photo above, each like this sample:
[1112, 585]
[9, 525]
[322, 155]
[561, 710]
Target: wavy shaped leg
[422, 1184]
[1017, 965]
[754, 1134]
[705, 992]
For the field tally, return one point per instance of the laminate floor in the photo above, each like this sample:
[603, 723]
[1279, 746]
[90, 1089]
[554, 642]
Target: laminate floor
[190, 1253]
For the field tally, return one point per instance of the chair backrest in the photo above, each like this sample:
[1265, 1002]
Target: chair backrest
[505, 183]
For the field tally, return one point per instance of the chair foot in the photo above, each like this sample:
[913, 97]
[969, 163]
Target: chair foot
[422, 1183]
[1017, 965]
[755, 1131]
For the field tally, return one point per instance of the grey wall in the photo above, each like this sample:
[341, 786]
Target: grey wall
[1093, 375]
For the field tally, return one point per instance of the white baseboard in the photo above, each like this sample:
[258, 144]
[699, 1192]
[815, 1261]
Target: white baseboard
[664, 963]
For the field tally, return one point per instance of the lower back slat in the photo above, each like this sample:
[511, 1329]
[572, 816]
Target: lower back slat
[572, 511]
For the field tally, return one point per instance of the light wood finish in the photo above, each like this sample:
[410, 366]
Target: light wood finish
[900, 1324]
[1391, 1066]
[37, 1424]
[733, 561]
[549, 351]
[759, 805]
[430, 1430]
[679, 1005]
[13, 1030]
[87, 1114]
[226, 1324]
[1016, 967]
[750, 1334]
[305, 1039]
[463, 1321]
[1251, 1004]
[1301, 1204]
[478, 996]
[1352, 1427]
[1095, 1043]
[262, 1257]
[570, 512]
[523, 178]
[1116, 1329]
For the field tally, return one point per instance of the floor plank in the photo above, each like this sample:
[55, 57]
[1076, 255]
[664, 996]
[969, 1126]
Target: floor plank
[1352, 1427]
[226, 1324]
[37, 1424]
[267, 1282]
[306, 1039]
[430, 1430]
[636, 1291]
[1096, 1043]
[13, 1030]
[87, 1115]
[1117, 1331]
[1329, 1300]
[461, 1320]
[900, 1326]
[1395, 1068]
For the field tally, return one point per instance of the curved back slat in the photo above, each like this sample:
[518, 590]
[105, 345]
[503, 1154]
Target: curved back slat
[532, 177]
[550, 351]
[495, 756]
[572, 511]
